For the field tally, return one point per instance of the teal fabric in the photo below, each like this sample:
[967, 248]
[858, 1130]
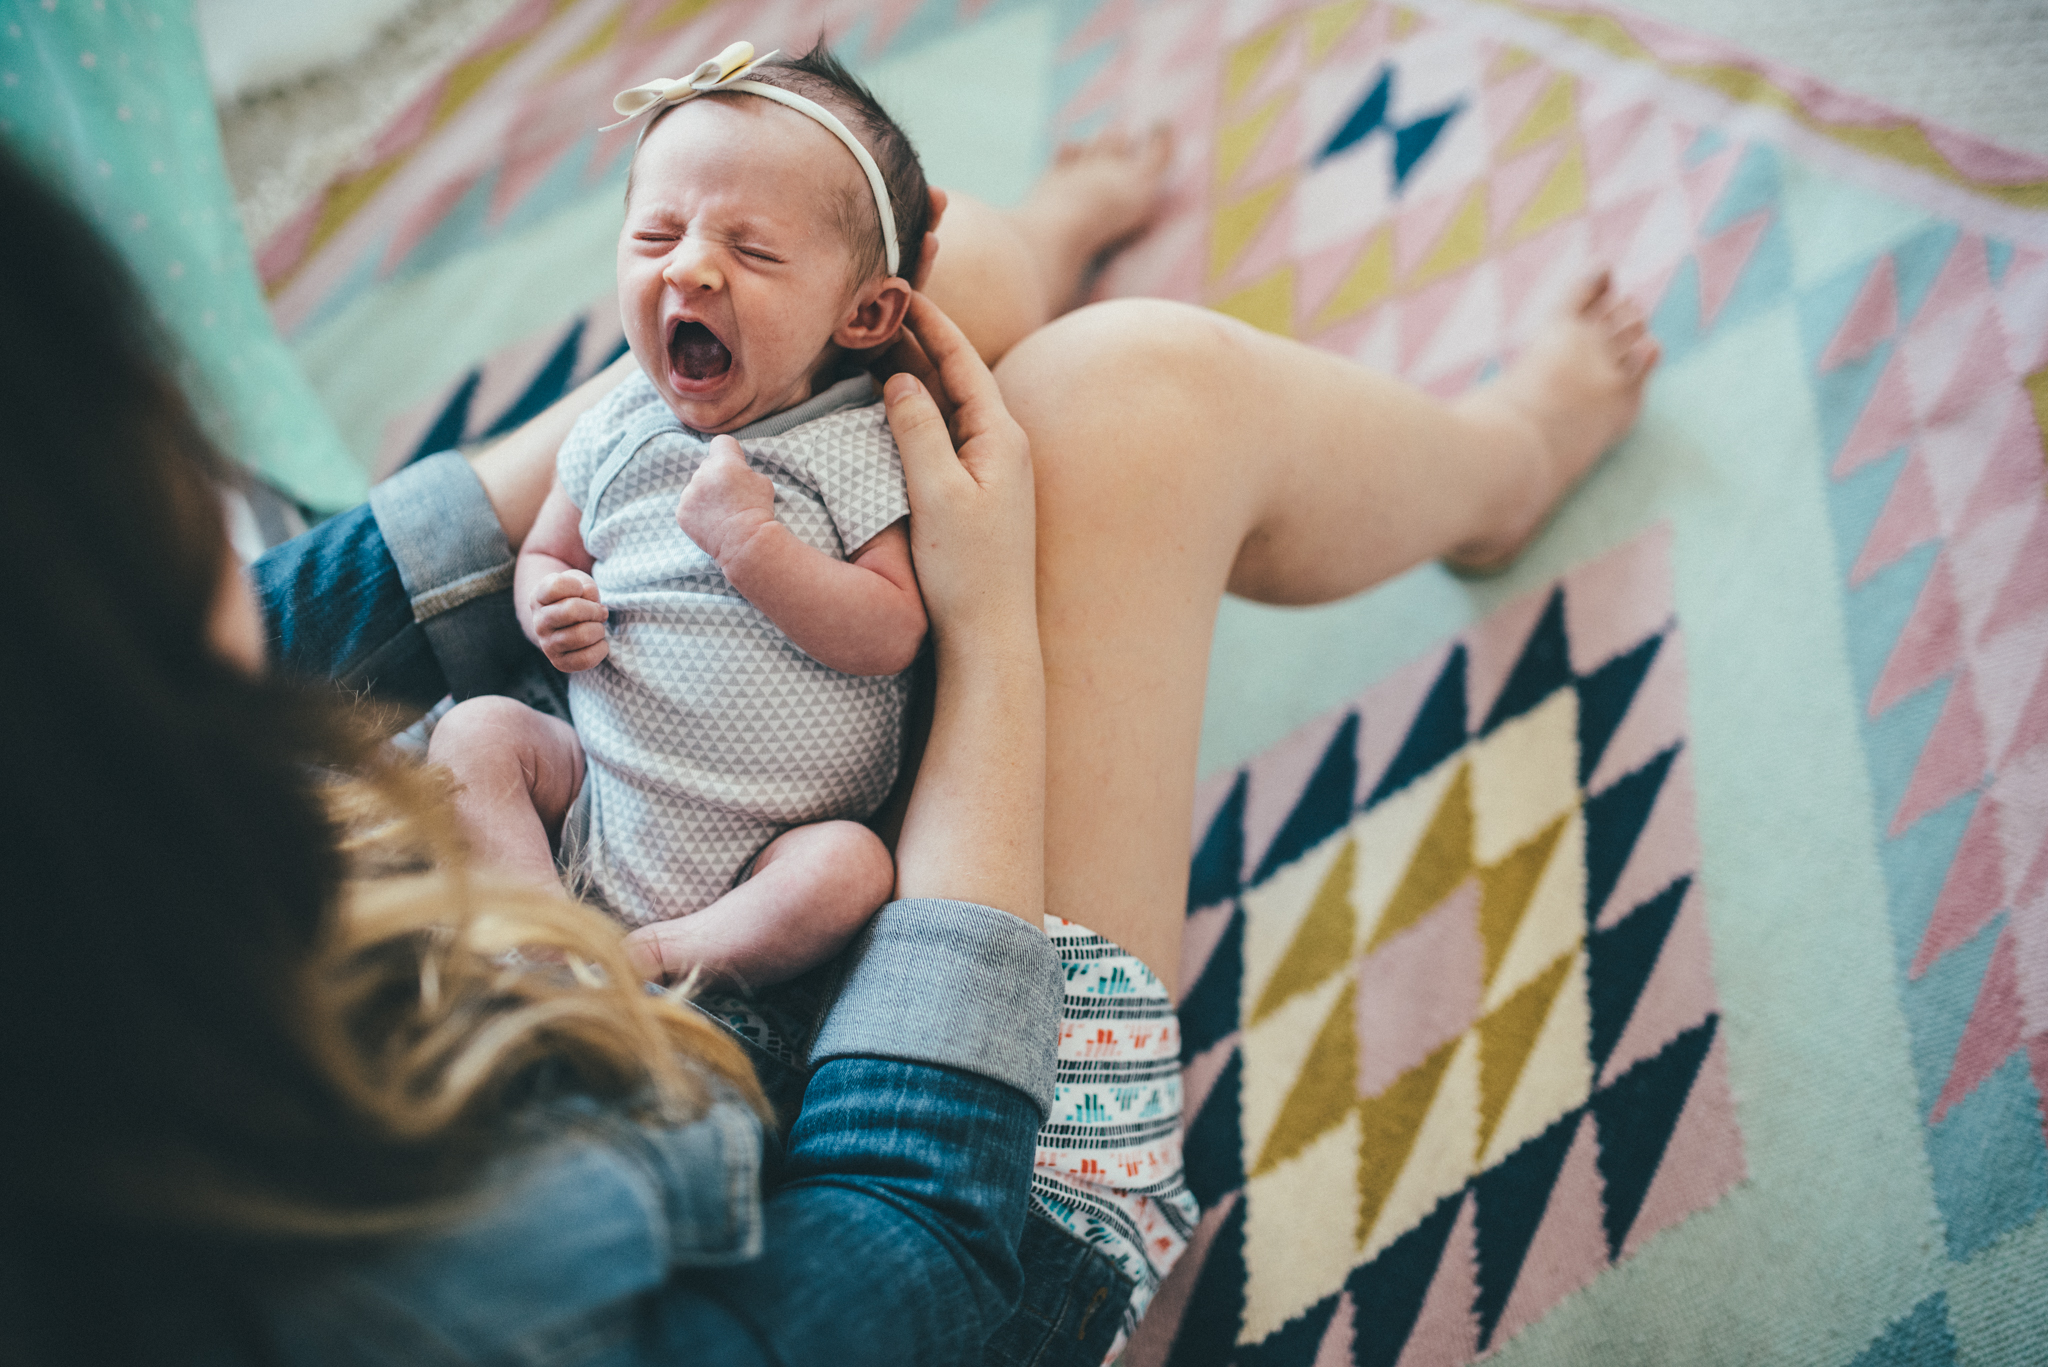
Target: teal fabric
[110, 99]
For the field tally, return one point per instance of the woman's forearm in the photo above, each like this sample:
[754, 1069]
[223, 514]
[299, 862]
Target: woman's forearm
[975, 827]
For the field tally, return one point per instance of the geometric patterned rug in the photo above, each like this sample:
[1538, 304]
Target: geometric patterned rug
[1581, 990]
[1451, 1033]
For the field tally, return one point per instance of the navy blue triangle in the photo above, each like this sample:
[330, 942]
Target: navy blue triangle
[1544, 667]
[545, 387]
[1212, 1153]
[1209, 1010]
[1324, 806]
[452, 425]
[1370, 113]
[1614, 819]
[1437, 733]
[1604, 698]
[1636, 1114]
[1619, 960]
[1412, 144]
[1216, 873]
[1386, 1293]
[1294, 1343]
[1215, 1313]
[1512, 1196]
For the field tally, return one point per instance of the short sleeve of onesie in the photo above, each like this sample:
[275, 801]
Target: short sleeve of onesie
[858, 473]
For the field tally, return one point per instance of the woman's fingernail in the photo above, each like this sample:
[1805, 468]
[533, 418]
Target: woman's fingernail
[901, 386]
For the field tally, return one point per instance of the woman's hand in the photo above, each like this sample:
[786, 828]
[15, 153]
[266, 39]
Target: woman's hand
[975, 827]
[968, 467]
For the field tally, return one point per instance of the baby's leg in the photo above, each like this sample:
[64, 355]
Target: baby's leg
[811, 890]
[1003, 273]
[519, 770]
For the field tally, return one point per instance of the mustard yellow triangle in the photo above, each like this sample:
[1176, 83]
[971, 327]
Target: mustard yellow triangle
[1324, 1091]
[1406, 21]
[468, 77]
[1388, 1124]
[1463, 242]
[1269, 304]
[1550, 115]
[1506, 1035]
[1322, 943]
[1370, 282]
[1233, 226]
[1327, 25]
[2037, 390]
[1509, 60]
[1442, 859]
[1236, 143]
[1247, 60]
[1563, 194]
[346, 197]
[595, 45]
[1505, 890]
[674, 16]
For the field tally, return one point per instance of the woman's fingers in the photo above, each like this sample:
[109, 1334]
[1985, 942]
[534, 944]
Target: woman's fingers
[905, 357]
[922, 438]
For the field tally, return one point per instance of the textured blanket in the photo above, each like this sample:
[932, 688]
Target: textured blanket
[1642, 957]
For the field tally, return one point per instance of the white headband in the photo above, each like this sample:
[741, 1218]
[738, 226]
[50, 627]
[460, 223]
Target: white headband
[723, 73]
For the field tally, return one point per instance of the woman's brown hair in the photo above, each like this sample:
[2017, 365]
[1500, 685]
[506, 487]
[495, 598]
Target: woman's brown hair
[252, 1007]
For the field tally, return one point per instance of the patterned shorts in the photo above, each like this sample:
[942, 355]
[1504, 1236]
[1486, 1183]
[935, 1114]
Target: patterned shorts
[1109, 1159]
[1108, 1167]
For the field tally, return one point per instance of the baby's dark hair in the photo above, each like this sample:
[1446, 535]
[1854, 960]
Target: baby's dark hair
[820, 76]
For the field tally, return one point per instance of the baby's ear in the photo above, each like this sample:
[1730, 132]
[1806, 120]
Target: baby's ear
[876, 317]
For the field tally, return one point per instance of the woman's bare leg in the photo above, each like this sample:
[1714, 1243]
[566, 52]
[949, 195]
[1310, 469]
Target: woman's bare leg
[1002, 274]
[1180, 454]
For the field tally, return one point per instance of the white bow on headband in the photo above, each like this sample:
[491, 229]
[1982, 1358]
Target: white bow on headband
[725, 72]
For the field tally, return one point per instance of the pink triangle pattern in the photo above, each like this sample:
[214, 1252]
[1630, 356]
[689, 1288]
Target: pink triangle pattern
[2025, 593]
[1886, 422]
[2015, 472]
[1973, 892]
[1992, 1034]
[1909, 519]
[1570, 1245]
[1703, 1160]
[1929, 646]
[1420, 989]
[1339, 1335]
[1873, 318]
[1680, 992]
[1722, 259]
[1446, 1332]
[1952, 762]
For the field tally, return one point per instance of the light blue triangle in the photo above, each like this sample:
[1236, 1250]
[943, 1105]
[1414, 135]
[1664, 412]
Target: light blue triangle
[1834, 223]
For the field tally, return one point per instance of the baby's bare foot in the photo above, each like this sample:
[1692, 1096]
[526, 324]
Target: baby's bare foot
[1572, 393]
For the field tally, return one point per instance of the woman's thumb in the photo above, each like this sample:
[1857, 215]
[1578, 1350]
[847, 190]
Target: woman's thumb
[920, 430]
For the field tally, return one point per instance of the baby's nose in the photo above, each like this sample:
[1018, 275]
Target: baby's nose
[693, 265]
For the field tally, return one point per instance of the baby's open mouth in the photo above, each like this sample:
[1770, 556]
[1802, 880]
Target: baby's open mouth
[696, 351]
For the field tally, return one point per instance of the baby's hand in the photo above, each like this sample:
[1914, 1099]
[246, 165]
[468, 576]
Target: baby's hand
[725, 502]
[568, 621]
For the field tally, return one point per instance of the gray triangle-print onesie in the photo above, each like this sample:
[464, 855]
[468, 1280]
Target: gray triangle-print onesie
[706, 732]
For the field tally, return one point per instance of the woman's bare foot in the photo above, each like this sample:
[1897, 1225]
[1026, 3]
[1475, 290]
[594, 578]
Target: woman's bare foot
[1571, 394]
[1096, 196]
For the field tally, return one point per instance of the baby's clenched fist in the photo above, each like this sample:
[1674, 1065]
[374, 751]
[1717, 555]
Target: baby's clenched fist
[725, 502]
[568, 621]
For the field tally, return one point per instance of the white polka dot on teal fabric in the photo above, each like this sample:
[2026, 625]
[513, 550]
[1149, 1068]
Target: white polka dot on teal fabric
[110, 99]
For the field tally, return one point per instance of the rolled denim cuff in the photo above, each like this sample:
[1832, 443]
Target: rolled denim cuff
[452, 557]
[951, 983]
